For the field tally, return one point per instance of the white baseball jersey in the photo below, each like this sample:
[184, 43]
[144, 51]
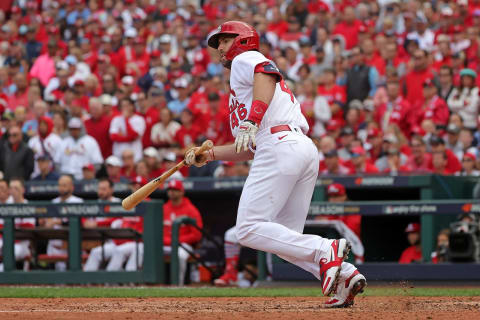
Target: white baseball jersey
[50, 145]
[283, 109]
[118, 126]
[72, 155]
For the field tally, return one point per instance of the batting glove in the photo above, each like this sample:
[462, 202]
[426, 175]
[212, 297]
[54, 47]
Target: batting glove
[246, 133]
[191, 159]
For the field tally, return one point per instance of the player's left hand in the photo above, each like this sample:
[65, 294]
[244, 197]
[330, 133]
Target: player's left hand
[246, 133]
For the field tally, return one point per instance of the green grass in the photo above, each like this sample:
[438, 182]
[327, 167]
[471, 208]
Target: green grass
[144, 292]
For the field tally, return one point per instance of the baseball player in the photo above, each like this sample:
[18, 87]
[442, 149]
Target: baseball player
[268, 127]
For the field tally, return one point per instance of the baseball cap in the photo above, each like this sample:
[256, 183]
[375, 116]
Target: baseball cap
[374, 132]
[71, 60]
[390, 138]
[113, 161]
[335, 190]
[106, 99]
[358, 151]
[128, 80]
[166, 38]
[468, 72]
[43, 157]
[75, 123]
[469, 155]
[413, 227]
[428, 82]
[331, 153]
[170, 156]
[175, 184]
[333, 125]
[180, 83]
[131, 33]
[435, 140]
[139, 180]
[228, 163]
[151, 152]
[452, 128]
[88, 166]
[355, 104]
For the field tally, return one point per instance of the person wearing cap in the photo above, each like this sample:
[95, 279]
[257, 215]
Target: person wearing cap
[347, 135]
[170, 161]
[128, 164]
[452, 140]
[431, 107]
[468, 165]
[88, 172]
[98, 125]
[419, 160]
[437, 145]
[46, 142]
[46, 169]
[464, 99]
[178, 205]
[126, 130]
[332, 92]
[414, 252]
[113, 166]
[394, 163]
[395, 111]
[163, 132]
[413, 81]
[332, 165]
[151, 158]
[76, 150]
[361, 163]
[375, 140]
[178, 104]
[16, 158]
[189, 132]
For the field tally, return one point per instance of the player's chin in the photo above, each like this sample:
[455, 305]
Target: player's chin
[226, 63]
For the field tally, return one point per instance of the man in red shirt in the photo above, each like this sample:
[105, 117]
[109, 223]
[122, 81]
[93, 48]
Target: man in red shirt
[332, 165]
[98, 125]
[431, 107]
[177, 206]
[151, 115]
[419, 160]
[188, 132]
[332, 92]
[414, 80]
[348, 28]
[414, 252]
[453, 165]
[360, 162]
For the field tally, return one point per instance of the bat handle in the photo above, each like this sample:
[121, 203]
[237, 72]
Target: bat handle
[206, 145]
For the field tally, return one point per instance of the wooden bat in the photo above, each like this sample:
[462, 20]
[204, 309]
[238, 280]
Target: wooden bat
[135, 198]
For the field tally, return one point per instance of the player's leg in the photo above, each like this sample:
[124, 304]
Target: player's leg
[21, 250]
[182, 263]
[95, 257]
[232, 254]
[119, 255]
[135, 260]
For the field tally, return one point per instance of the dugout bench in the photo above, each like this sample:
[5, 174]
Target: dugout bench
[153, 271]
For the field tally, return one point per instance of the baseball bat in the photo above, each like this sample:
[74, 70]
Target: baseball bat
[135, 198]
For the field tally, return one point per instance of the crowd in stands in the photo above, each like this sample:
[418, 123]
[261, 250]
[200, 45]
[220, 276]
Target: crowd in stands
[120, 88]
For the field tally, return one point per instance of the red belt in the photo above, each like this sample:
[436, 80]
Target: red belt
[280, 128]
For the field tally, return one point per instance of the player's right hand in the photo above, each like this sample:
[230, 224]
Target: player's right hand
[192, 159]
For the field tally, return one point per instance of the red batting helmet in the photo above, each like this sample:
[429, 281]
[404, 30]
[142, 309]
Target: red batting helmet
[247, 38]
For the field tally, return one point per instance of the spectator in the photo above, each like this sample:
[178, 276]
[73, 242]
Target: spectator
[20, 96]
[420, 159]
[46, 142]
[439, 163]
[348, 28]
[468, 165]
[163, 132]
[44, 66]
[178, 205]
[440, 254]
[452, 142]
[40, 109]
[151, 158]
[170, 161]
[333, 165]
[16, 158]
[77, 150]
[445, 79]
[414, 252]
[464, 100]
[178, 104]
[88, 172]
[452, 164]
[21, 248]
[114, 169]
[126, 130]
[394, 163]
[128, 169]
[188, 133]
[360, 79]
[98, 125]
[332, 92]
[414, 80]
[432, 107]
[46, 170]
[150, 114]
[5, 196]
[60, 124]
[375, 140]
[65, 191]
[359, 160]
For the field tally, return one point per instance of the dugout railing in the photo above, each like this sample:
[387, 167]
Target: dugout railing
[153, 271]
[427, 210]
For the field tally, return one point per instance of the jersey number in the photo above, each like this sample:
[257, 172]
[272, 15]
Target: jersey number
[242, 114]
[284, 88]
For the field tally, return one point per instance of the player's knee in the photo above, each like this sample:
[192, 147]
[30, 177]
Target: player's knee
[243, 234]
[231, 235]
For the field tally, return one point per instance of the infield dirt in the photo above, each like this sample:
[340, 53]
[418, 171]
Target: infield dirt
[399, 307]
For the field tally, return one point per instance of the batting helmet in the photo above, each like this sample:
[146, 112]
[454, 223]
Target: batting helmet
[247, 38]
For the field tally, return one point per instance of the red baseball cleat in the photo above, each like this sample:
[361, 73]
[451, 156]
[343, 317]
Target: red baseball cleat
[347, 290]
[227, 279]
[330, 265]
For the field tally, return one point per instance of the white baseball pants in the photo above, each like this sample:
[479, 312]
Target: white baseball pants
[126, 252]
[95, 257]
[21, 250]
[276, 197]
